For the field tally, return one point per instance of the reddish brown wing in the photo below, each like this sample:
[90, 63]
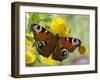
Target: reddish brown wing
[41, 34]
[69, 43]
[45, 40]
[64, 47]
[60, 53]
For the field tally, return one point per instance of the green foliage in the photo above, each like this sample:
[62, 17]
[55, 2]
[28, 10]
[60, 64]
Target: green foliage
[34, 18]
[38, 18]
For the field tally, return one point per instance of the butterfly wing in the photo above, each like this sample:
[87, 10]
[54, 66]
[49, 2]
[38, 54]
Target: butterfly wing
[69, 43]
[41, 34]
[64, 47]
[45, 40]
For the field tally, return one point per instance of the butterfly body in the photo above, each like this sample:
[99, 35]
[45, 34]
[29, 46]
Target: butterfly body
[58, 46]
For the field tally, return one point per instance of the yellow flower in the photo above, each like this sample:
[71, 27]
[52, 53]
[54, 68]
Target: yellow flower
[30, 57]
[83, 50]
[49, 60]
[28, 42]
[59, 26]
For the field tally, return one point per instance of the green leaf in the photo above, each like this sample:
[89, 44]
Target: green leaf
[34, 19]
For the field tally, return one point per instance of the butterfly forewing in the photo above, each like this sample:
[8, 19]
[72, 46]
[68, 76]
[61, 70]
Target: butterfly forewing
[41, 34]
[69, 43]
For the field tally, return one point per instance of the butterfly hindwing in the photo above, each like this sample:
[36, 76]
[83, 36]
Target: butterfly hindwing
[60, 53]
[47, 49]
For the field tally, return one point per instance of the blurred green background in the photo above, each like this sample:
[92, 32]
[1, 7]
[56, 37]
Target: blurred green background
[79, 25]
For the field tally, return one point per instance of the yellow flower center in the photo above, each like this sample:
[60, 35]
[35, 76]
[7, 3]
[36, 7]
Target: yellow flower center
[60, 29]
[82, 49]
[58, 26]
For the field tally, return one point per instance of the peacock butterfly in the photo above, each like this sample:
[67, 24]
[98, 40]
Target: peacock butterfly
[47, 43]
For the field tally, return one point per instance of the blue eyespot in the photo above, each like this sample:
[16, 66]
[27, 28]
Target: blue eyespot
[64, 53]
[40, 45]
